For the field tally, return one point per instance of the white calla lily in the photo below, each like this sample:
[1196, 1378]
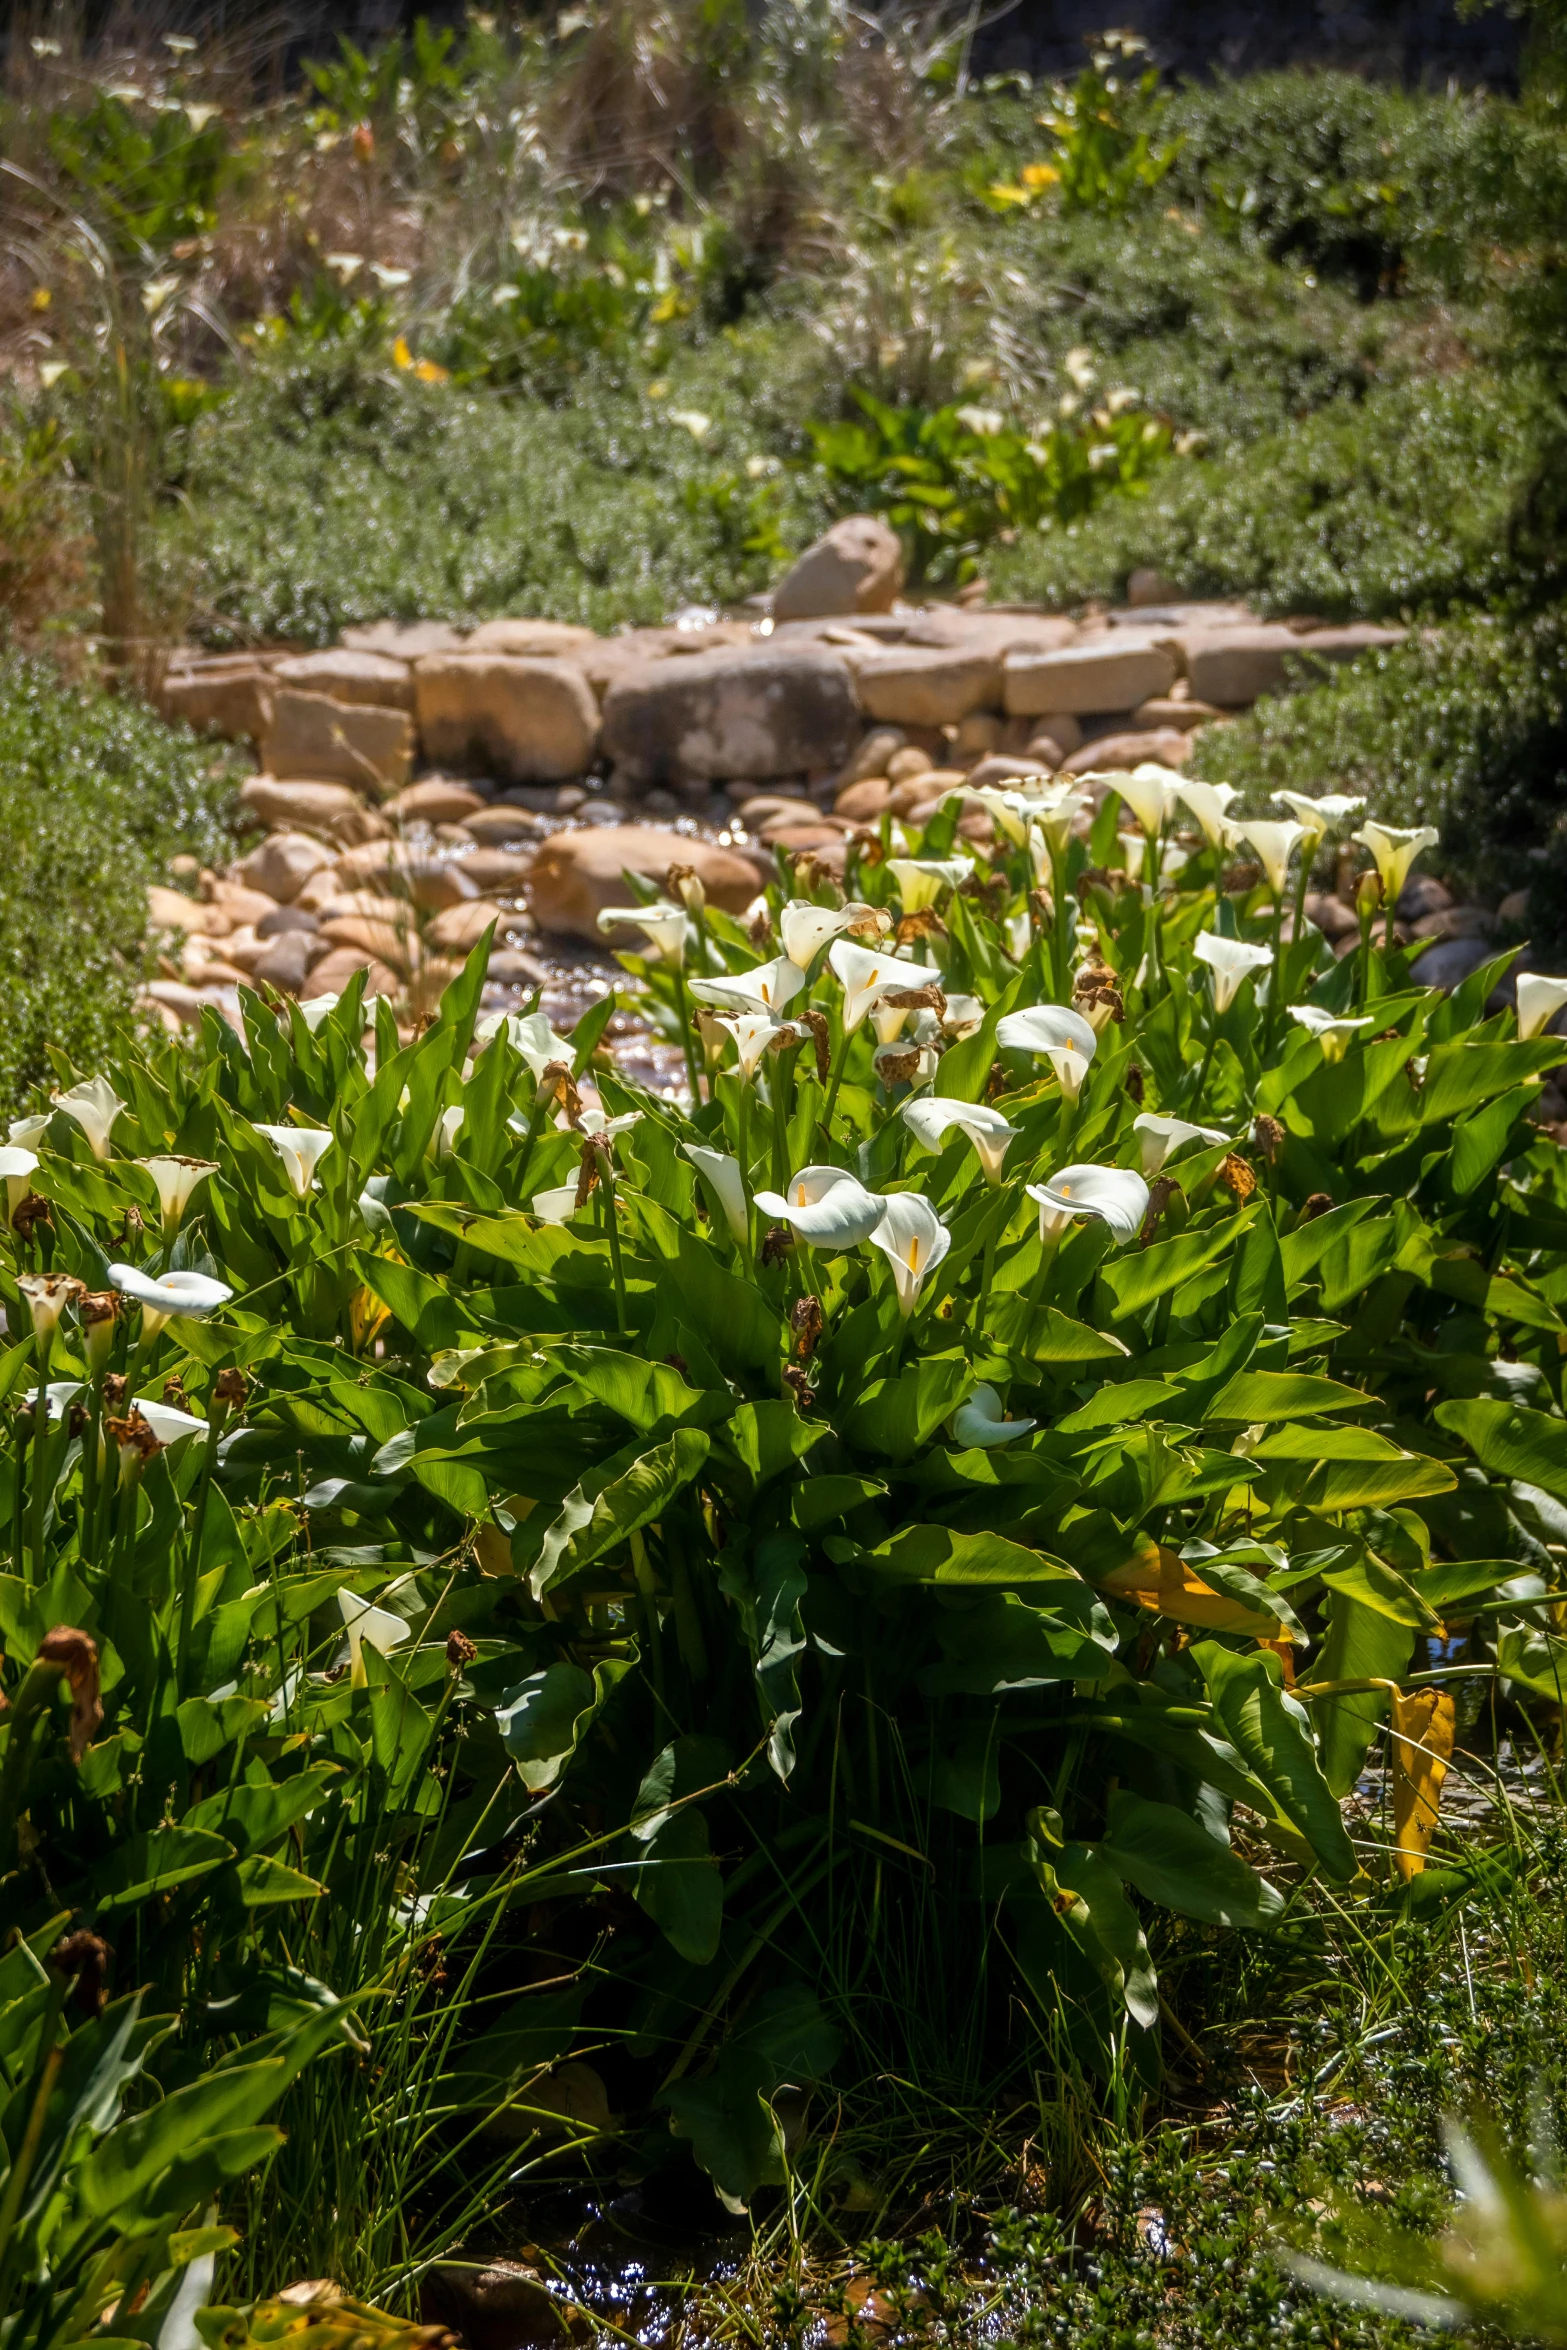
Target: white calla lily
[1008, 808]
[1054, 811]
[443, 1142]
[191, 1296]
[363, 1622]
[95, 1106]
[48, 1295]
[663, 926]
[555, 1205]
[1231, 961]
[18, 1167]
[805, 929]
[1332, 1031]
[530, 1034]
[316, 1008]
[1539, 1000]
[766, 987]
[1394, 850]
[913, 1239]
[1273, 842]
[1149, 790]
[175, 1179]
[981, 1422]
[921, 881]
[1158, 1137]
[721, 1173]
[1040, 1026]
[866, 973]
[964, 1015]
[754, 1033]
[933, 1118]
[167, 1422]
[826, 1206]
[1114, 1195]
[24, 1132]
[593, 1118]
[301, 1149]
[1316, 817]
[1209, 803]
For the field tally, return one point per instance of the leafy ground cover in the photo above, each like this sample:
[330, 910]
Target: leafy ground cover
[864, 1579]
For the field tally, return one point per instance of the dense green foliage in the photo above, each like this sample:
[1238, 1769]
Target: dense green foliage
[649, 1628]
[95, 796]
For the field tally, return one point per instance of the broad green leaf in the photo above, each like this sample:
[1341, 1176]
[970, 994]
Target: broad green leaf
[894, 1417]
[1003, 1642]
[647, 1395]
[817, 1501]
[1173, 1860]
[544, 1719]
[679, 1886]
[1271, 1733]
[1283, 1395]
[254, 1816]
[1481, 1140]
[1304, 1249]
[1084, 1888]
[130, 2157]
[601, 1512]
[1136, 1279]
[1511, 1441]
[934, 1554]
[156, 1861]
[1534, 1658]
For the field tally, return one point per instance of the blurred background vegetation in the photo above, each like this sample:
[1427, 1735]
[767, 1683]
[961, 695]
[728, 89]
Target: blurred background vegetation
[595, 314]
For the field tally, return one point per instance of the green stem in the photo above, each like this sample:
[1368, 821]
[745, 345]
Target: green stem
[217, 1414]
[616, 1268]
[1207, 1063]
[683, 1012]
[835, 1079]
[1275, 980]
[530, 1136]
[19, 1495]
[987, 1274]
[40, 1459]
[1060, 953]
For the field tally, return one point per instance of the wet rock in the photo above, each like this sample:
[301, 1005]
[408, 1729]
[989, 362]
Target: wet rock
[749, 713]
[495, 827]
[435, 799]
[1102, 674]
[373, 679]
[856, 566]
[332, 811]
[502, 2306]
[313, 735]
[928, 685]
[282, 865]
[577, 874]
[528, 720]
[783, 807]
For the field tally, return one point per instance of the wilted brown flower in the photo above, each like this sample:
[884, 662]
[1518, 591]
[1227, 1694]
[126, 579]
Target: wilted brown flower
[76, 1654]
[460, 1650]
[805, 1320]
[929, 998]
[555, 1081]
[761, 928]
[114, 1389]
[777, 1241]
[1133, 1082]
[1160, 1193]
[231, 1389]
[924, 923]
[898, 1068]
[174, 1393]
[1237, 1178]
[83, 1959]
[799, 1387]
[816, 1022]
[1316, 1205]
[1096, 990]
[31, 1210]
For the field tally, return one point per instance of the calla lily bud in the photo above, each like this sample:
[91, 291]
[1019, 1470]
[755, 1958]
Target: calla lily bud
[136, 1444]
[48, 1295]
[98, 1310]
[685, 883]
[1368, 893]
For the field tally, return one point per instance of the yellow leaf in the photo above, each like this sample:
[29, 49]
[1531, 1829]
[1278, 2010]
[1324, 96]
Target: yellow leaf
[1002, 192]
[1422, 1727]
[401, 353]
[1166, 1586]
[1039, 175]
[41, 297]
[427, 372]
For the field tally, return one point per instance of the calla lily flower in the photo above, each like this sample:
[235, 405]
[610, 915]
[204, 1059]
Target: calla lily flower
[982, 1422]
[1208, 802]
[1134, 852]
[805, 929]
[193, 1296]
[1231, 961]
[443, 1142]
[931, 1120]
[1043, 1025]
[913, 1239]
[721, 1173]
[593, 1119]
[167, 1422]
[866, 973]
[754, 1034]
[1539, 1000]
[663, 926]
[1331, 1031]
[18, 1167]
[59, 1395]
[48, 1295]
[1316, 817]
[910, 1061]
[1114, 1194]
[1394, 851]
[1054, 811]
[766, 987]
[826, 1206]
[1008, 809]
[555, 1205]
[1274, 843]
[921, 880]
[175, 1180]
[94, 1105]
[1158, 1137]
[531, 1035]
[315, 1009]
[301, 1149]
[1149, 790]
[964, 1015]
[378, 1625]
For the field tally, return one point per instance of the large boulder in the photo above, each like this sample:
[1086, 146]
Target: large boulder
[1095, 678]
[928, 685]
[983, 630]
[313, 735]
[528, 719]
[404, 640]
[857, 566]
[610, 657]
[732, 714]
[535, 639]
[331, 811]
[373, 679]
[230, 696]
[577, 874]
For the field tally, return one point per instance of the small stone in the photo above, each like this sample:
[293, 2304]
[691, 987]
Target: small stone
[1147, 586]
[332, 811]
[285, 962]
[1332, 917]
[437, 799]
[864, 801]
[856, 566]
[976, 736]
[539, 640]
[240, 903]
[1423, 894]
[1058, 727]
[404, 640]
[170, 909]
[395, 944]
[764, 807]
[282, 864]
[231, 696]
[1231, 666]
[1174, 710]
[282, 919]
[1450, 961]
[577, 874]
[334, 971]
[1514, 908]
[496, 872]
[907, 762]
[927, 790]
[459, 929]
[877, 746]
[511, 967]
[495, 827]
[312, 735]
[1168, 748]
[1454, 922]
[306, 2290]
[527, 720]
[1001, 769]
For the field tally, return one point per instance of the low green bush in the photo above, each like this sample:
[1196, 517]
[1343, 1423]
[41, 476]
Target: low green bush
[95, 795]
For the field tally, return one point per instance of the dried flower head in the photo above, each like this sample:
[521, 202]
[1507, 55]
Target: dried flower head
[83, 1959]
[799, 1386]
[805, 1320]
[1160, 1193]
[460, 1650]
[1317, 1204]
[777, 1241]
[231, 1389]
[1133, 1082]
[821, 1038]
[929, 998]
[174, 1393]
[76, 1655]
[113, 1389]
[1268, 1135]
[31, 1211]
[1239, 1179]
[925, 922]
[556, 1081]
